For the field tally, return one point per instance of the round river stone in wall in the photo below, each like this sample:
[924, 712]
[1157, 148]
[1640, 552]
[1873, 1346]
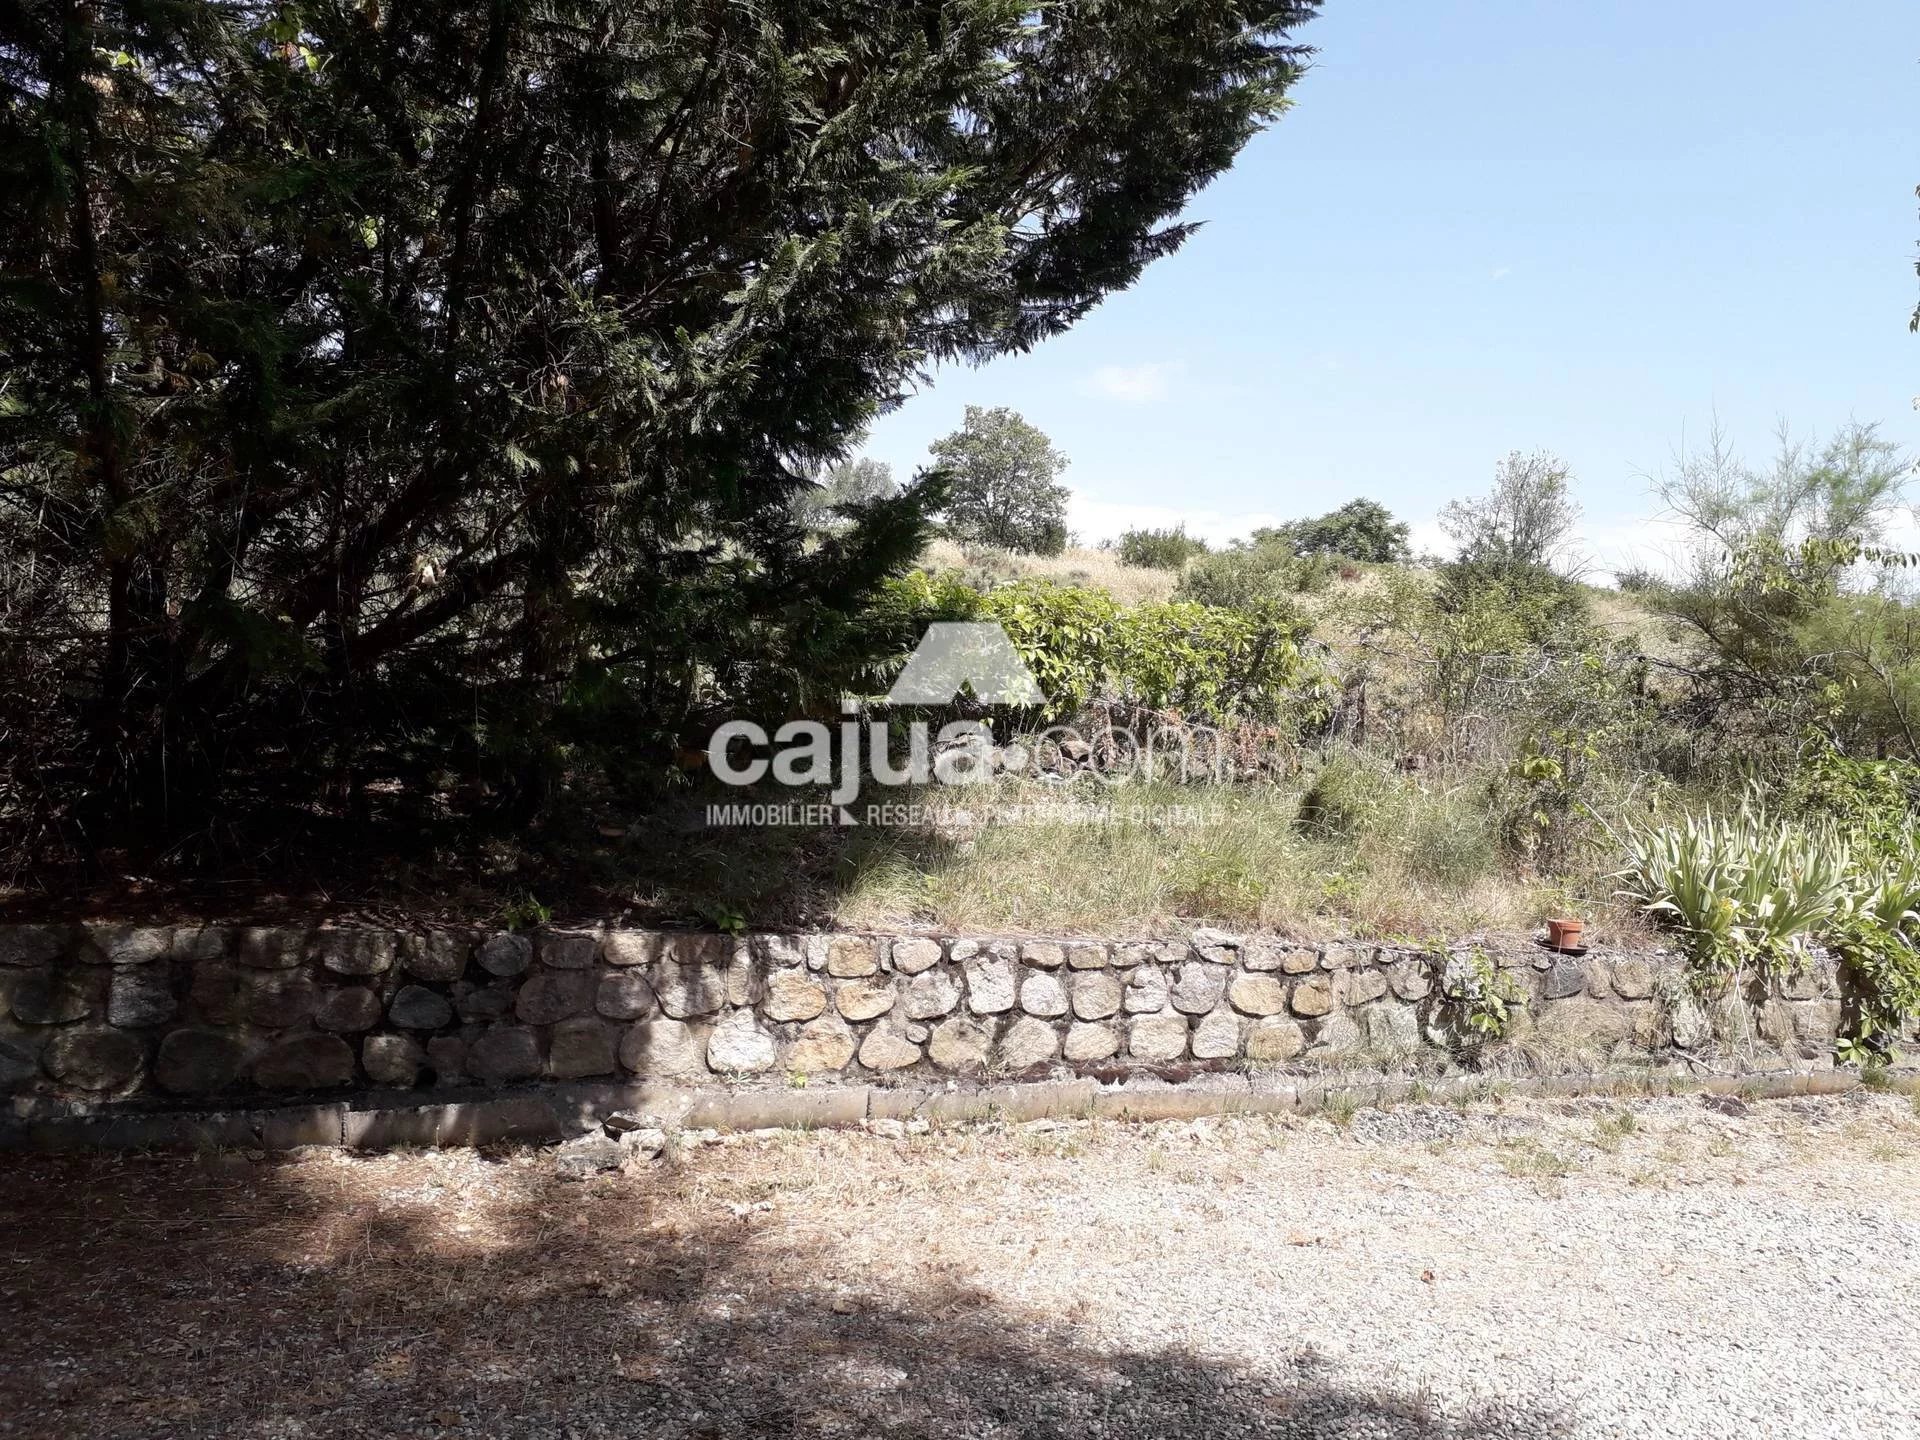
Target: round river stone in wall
[794, 995]
[624, 995]
[1043, 994]
[579, 1048]
[49, 999]
[309, 1062]
[1273, 1040]
[990, 985]
[93, 1059]
[1313, 997]
[866, 998]
[504, 955]
[351, 1008]
[1096, 995]
[506, 1052]
[686, 990]
[885, 1049]
[1092, 1042]
[392, 1059]
[138, 998]
[415, 1007]
[931, 995]
[664, 1049]
[1198, 986]
[437, 955]
[1217, 1036]
[553, 996]
[1258, 994]
[199, 1062]
[823, 1044]
[1157, 1037]
[1028, 1042]
[915, 954]
[959, 1044]
[740, 1046]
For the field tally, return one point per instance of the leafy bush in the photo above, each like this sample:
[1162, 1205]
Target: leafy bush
[1262, 576]
[1160, 549]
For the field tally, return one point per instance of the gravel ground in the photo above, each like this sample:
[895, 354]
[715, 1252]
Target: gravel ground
[1665, 1267]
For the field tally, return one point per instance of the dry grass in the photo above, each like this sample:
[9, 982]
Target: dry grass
[1129, 584]
[1242, 861]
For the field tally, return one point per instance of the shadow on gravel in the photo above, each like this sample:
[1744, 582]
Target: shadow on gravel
[437, 1296]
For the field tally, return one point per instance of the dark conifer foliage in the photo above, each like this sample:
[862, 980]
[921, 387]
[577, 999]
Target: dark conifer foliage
[392, 386]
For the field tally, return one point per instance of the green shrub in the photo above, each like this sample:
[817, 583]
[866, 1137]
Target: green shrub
[1264, 576]
[1160, 549]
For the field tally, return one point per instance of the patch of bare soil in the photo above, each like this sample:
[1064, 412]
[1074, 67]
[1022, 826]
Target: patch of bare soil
[1524, 1269]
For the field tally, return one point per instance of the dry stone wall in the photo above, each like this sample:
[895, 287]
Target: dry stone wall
[99, 1014]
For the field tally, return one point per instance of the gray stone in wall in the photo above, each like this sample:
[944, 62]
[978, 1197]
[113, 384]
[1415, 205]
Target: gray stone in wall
[823, 1044]
[1044, 954]
[689, 989]
[567, 949]
[27, 946]
[196, 1061]
[629, 947]
[1027, 1042]
[279, 1000]
[1097, 994]
[991, 989]
[915, 954]
[354, 952]
[554, 995]
[438, 955]
[49, 998]
[349, 1010]
[746, 978]
[1088, 1042]
[1632, 978]
[794, 995]
[577, 1049]
[1392, 1031]
[1566, 977]
[1359, 987]
[1142, 952]
[1198, 986]
[776, 952]
[1086, 955]
[1313, 996]
[865, 998]
[270, 947]
[1261, 956]
[1299, 960]
[1816, 1023]
[1345, 957]
[506, 1052]
[415, 1007]
[888, 1049]
[504, 955]
[196, 944]
[1258, 994]
[1217, 1036]
[623, 995]
[850, 956]
[1274, 1040]
[1409, 979]
[959, 1044]
[218, 993]
[1042, 994]
[1146, 990]
[307, 1062]
[1334, 1037]
[18, 1064]
[105, 944]
[448, 1056]
[395, 1060]
[1157, 1037]
[739, 1046]
[664, 1048]
[1216, 946]
[93, 1059]
[1579, 1026]
[478, 1004]
[930, 995]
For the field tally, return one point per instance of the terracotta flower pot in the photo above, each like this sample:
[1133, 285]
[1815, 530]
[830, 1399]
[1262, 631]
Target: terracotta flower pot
[1566, 934]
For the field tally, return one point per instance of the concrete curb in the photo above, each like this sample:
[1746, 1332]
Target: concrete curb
[559, 1112]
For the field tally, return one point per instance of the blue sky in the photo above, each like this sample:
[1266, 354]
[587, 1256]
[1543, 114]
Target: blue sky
[1490, 225]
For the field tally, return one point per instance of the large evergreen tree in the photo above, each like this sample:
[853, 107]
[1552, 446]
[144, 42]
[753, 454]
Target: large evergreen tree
[404, 384]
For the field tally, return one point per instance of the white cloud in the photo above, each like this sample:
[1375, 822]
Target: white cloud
[1502, 272]
[1137, 384]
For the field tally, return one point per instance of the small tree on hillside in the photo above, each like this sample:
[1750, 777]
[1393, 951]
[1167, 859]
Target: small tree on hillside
[845, 488]
[1362, 530]
[1524, 523]
[1003, 485]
